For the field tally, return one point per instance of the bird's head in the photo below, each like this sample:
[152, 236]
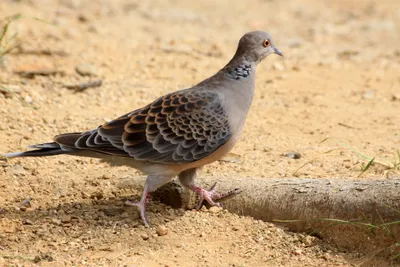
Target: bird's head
[255, 46]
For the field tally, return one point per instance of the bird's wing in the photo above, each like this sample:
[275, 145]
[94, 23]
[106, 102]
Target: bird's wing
[180, 127]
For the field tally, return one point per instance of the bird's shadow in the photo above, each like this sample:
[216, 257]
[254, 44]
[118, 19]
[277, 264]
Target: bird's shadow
[164, 206]
[167, 204]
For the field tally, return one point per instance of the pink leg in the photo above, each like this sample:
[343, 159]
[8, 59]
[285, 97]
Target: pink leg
[141, 204]
[211, 195]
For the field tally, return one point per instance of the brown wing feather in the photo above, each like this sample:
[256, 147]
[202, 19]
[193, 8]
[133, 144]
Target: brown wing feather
[178, 128]
[89, 141]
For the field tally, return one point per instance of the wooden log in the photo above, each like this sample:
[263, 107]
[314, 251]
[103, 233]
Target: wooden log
[361, 215]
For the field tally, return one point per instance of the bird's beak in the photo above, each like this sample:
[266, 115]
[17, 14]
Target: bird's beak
[278, 52]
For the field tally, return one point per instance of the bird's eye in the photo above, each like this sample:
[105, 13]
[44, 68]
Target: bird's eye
[266, 43]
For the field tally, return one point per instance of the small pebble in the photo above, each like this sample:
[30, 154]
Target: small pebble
[106, 177]
[55, 221]
[86, 70]
[28, 99]
[66, 219]
[145, 236]
[25, 204]
[297, 252]
[162, 230]
[292, 155]
[28, 222]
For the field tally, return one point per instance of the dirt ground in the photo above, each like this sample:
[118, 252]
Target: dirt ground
[340, 78]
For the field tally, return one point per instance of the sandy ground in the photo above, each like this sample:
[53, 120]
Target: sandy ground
[340, 79]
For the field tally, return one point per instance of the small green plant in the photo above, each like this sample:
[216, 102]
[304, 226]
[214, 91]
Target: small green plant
[366, 167]
[393, 166]
[8, 43]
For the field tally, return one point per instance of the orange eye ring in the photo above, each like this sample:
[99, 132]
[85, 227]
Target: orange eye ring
[266, 43]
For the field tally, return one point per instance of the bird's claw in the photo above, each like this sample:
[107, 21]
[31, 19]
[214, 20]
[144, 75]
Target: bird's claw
[211, 196]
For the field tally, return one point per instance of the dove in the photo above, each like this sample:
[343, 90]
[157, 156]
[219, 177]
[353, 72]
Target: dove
[177, 133]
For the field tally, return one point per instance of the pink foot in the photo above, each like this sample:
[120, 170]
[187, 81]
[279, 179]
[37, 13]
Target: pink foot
[210, 196]
[141, 205]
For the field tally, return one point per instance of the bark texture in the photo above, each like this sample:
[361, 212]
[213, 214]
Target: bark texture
[317, 206]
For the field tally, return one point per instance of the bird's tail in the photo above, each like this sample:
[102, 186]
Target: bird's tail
[40, 150]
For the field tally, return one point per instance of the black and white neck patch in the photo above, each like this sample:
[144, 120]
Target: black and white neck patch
[240, 72]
